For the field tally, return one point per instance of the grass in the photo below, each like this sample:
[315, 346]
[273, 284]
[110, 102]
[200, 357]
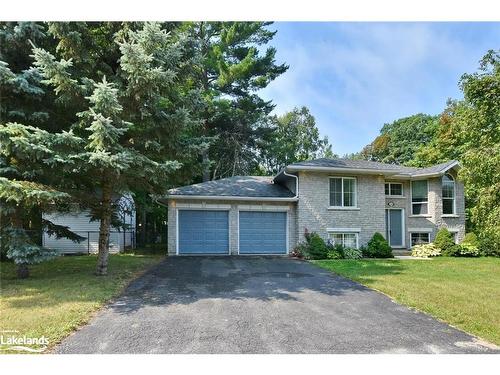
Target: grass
[62, 294]
[463, 292]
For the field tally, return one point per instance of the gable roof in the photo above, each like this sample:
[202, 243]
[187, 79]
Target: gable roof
[366, 166]
[248, 187]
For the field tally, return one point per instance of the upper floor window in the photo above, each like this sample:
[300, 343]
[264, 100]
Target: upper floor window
[394, 189]
[343, 192]
[419, 197]
[448, 194]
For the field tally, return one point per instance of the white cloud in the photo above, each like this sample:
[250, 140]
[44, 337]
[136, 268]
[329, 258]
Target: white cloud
[356, 76]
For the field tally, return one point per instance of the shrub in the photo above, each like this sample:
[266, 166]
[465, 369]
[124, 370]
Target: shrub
[471, 239]
[351, 253]
[488, 244]
[317, 248]
[377, 247]
[462, 250]
[335, 251]
[299, 251]
[443, 240]
[425, 250]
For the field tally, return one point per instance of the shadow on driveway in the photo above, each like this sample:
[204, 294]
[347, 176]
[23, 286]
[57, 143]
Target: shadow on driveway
[259, 305]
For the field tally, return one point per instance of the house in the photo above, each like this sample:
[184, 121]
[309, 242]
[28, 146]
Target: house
[345, 201]
[79, 222]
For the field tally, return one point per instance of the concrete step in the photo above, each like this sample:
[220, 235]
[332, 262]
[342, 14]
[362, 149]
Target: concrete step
[401, 252]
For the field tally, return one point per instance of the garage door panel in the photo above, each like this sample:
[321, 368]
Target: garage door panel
[262, 232]
[203, 232]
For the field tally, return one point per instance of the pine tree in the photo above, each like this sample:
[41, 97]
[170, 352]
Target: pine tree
[230, 71]
[136, 115]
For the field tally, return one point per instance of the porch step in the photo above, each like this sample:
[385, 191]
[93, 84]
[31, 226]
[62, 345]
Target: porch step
[399, 252]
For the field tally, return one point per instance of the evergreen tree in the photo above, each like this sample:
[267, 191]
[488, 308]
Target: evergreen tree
[230, 71]
[132, 97]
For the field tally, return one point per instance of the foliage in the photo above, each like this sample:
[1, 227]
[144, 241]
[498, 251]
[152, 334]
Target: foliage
[471, 239]
[294, 138]
[377, 247]
[470, 132]
[23, 251]
[352, 253]
[462, 250]
[316, 246]
[443, 239]
[300, 250]
[399, 141]
[335, 251]
[425, 250]
[232, 64]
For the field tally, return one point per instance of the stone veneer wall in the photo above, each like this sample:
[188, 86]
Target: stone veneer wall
[315, 215]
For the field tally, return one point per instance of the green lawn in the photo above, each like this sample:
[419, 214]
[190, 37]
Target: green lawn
[464, 292]
[62, 294]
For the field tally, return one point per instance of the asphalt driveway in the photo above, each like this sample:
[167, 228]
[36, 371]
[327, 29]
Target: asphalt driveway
[259, 305]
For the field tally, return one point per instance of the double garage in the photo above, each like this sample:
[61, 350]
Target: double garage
[205, 231]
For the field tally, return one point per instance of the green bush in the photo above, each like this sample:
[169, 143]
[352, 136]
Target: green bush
[351, 253]
[425, 250]
[462, 250]
[377, 247]
[317, 248]
[471, 239]
[443, 240]
[488, 244]
[335, 251]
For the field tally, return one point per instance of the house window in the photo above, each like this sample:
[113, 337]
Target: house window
[344, 239]
[394, 189]
[342, 192]
[418, 238]
[448, 194]
[419, 193]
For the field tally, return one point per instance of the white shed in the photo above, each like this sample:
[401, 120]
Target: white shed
[79, 223]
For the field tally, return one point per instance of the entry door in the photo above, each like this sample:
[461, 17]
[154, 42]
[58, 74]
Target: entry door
[394, 227]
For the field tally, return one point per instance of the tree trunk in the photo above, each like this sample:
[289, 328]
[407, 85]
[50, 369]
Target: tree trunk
[23, 271]
[206, 165]
[102, 258]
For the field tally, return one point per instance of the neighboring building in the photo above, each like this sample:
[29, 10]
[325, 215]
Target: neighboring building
[79, 222]
[345, 201]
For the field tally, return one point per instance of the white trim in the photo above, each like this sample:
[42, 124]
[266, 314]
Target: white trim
[388, 224]
[342, 178]
[411, 199]
[333, 208]
[450, 215]
[203, 206]
[394, 183]
[342, 170]
[356, 234]
[286, 235]
[202, 209]
[420, 230]
[454, 197]
[262, 207]
[296, 182]
[347, 230]
[423, 216]
[230, 198]
[395, 196]
[416, 232]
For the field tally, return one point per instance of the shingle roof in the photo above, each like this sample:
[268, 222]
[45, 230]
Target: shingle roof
[238, 186]
[370, 165]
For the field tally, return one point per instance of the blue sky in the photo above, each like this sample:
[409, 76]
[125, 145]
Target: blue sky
[354, 77]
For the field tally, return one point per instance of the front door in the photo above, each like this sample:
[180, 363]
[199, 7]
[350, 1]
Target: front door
[394, 227]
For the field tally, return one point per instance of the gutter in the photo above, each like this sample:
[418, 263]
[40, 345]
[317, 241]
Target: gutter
[231, 198]
[343, 170]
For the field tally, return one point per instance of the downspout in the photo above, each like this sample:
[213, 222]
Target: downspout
[296, 182]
